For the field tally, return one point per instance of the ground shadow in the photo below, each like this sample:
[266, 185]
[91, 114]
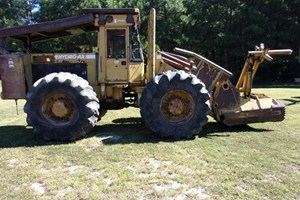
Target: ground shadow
[132, 130]
[121, 131]
[216, 129]
[124, 131]
[18, 136]
[292, 101]
[22, 136]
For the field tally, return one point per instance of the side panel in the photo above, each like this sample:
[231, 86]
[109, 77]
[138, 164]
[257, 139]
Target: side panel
[85, 60]
[13, 77]
[135, 72]
[82, 64]
[41, 70]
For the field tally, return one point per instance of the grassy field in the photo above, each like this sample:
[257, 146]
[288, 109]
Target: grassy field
[120, 159]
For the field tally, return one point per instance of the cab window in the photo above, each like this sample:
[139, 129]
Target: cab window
[116, 41]
[136, 52]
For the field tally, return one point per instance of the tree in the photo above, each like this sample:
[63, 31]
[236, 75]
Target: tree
[222, 30]
[16, 12]
[56, 9]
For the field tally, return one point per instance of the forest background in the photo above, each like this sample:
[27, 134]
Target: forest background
[222, 30]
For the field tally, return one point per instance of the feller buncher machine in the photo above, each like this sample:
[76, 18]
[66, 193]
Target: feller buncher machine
[67, 93]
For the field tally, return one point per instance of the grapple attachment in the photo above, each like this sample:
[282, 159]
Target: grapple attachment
[232, 105]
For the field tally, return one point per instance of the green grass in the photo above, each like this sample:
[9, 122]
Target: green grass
[121, 159]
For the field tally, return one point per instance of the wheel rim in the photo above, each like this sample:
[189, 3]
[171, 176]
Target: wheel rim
[59, 109]
[177, 106]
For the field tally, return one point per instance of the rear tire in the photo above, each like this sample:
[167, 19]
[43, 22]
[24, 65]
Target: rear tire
[62, 107]
[175, 105]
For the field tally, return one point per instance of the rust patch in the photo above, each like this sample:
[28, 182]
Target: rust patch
[177, 106]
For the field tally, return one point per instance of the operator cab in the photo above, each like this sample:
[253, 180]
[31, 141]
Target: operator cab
[120, 54]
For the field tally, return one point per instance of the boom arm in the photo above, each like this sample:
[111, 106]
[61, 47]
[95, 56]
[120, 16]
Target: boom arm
[254, 59]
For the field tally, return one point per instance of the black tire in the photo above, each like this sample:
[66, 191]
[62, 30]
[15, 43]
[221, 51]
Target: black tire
[101, 114]
[62, 107]
[175, 105]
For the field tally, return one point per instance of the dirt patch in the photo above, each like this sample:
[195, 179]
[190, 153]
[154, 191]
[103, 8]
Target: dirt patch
[63, 192]
[38, 188]
[155, 163]
[74, 168]
[165, 187]
[109, 181]
[146, 175]
[16, 163]
[199, 192]
[293, 167]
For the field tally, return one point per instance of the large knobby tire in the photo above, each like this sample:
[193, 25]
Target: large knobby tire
[62, 107]
[175, 105]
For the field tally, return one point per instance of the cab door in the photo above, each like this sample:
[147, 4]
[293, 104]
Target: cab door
[116, 54]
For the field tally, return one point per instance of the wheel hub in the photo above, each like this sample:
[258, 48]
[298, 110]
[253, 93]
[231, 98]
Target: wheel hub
[59, 108]
[177, 106]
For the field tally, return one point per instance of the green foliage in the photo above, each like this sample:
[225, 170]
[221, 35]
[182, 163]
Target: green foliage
[222, 30]
[57, 9]
[16, 12]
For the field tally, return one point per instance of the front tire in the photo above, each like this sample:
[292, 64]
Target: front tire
[62, 107]
[175, 105]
